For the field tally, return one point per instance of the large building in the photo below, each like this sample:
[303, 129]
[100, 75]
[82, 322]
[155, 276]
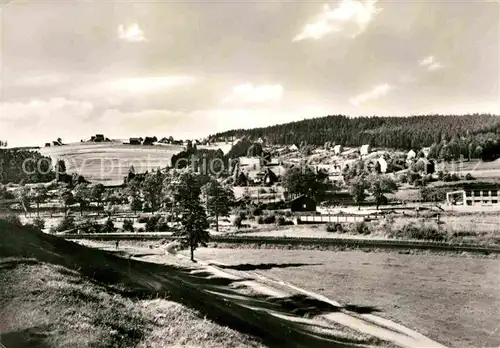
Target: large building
[477, 194]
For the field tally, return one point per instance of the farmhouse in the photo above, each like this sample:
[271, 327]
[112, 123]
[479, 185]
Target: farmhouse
[302, 204]
[381, 165]
[135, 141]
[149, 140]
[98, 138]
[260, 141]
[428, 165]
[269, 177]
[411, 155]
[293, 148]
[250, 163]
[47, 144]
[364, 150]
[337, 149]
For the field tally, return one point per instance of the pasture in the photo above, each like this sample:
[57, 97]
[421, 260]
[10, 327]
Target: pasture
[108, 163]
[454, 300]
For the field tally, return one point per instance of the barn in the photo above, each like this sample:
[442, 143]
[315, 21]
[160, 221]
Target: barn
[135, 141]
[302, 204]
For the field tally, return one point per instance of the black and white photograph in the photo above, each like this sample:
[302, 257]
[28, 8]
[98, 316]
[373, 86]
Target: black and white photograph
[249, 173]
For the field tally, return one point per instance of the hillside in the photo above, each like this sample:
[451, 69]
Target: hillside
[393, 132]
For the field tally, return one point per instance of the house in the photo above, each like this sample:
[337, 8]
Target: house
[425, 151]
[269, 177]
[149, 140]
[411, 155]
[381, 165]
[302, 204]
[429, 166]
[293, 148]
[56, 143]
[135, 141]
[260, 141]
[337, 149]
[364, 150]
[99, 138]
[47, 144]
[250, 163]
[241, 180]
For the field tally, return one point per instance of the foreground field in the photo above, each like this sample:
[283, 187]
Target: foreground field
[454, 300]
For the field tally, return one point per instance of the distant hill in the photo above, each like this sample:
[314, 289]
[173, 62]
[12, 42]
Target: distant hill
[394, 132]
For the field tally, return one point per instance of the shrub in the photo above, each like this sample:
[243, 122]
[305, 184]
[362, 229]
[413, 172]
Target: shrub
[280, 221]
[152, 224]
[140, 229]
[128, 225]
[88, 226]
[108, 226]
[468, 176]
[237, 221]
[39, 223]
[255, 211]
[288, 213]
[262, 190]
[143, 219]
[334, 227]
[67, 223]
[362, 228]
[13, 219]
[162, 225]
[268, 219]
[420, 231]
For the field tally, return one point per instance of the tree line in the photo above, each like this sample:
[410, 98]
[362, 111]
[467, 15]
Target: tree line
[412, 132]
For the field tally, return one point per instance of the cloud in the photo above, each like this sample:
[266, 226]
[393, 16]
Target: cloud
[41, 80]
[375, 93]
[430, 63]
[248, 93]
[118, 89]
[132, 33]
[39, 121]
[348, 12]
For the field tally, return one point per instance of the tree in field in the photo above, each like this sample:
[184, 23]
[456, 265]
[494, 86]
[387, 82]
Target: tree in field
[25, 197]
[379, 186]
[97, 194]
[357, 190]
[152, 189]
[218, 200]
[67, 199]
[39, 195]
[193, 218]
[82, 194]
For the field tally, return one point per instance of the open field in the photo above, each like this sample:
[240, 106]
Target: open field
[454, 300]
[478, 169]
[108, 299]
[110, 162]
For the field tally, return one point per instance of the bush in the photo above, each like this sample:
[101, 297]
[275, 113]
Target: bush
[13, 219]
[88, 226]
[268, 219]
[108, 227]
[152, 224]
[280, 221]
[39, 223]
[334, 227]
[288, 213]
[128, 225]
[362, 228]
[237, 221]
[67, 223]
[140, 229]
[262, 190]
[468, 176]
[420, 231]
[255, 211]
[162, 225]
[143, 219]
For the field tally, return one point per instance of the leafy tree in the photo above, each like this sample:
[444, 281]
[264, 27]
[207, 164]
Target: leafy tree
[82, 194]
[380, 185]
[193, 219]
[128, 225]
[109, 226]
[39, 223]
[97, 194]
[152, 189]
[67, 199]
[305, 181]
[218, 200]
[25, 197]
[357, 190]
[255, 150]
[65, 224]
[39, 195]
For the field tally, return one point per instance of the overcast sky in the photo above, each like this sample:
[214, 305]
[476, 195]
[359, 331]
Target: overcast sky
[189, 69]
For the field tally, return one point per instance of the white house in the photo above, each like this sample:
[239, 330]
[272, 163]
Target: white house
[411, 155]
[426, 151]
[250, 163]
[293, 148]
[337, 149]
[364, 150]
[383, 164]
[260, 141]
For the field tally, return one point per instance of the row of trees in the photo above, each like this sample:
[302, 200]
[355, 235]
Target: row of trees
[19, 165]
[394, 132]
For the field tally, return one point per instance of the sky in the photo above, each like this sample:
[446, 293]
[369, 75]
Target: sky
[188, 69]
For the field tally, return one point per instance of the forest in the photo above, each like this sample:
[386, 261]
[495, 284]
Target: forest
[392, 132]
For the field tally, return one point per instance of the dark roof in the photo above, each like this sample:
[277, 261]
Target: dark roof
[299, 198]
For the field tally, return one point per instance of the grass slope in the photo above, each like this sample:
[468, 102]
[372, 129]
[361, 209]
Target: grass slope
[85, 274]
